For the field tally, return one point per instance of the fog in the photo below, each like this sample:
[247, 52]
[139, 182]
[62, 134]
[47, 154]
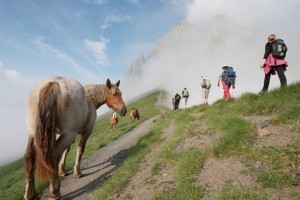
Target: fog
[13, 137]
[216, 32]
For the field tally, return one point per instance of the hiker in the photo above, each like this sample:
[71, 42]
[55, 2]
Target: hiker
[185, 95]
[177, 100]
[228, 79]
[272, 62]
[205, 84]
[173, 103]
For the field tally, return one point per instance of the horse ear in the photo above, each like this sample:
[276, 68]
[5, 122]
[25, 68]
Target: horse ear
[108, 83]
[118, 83]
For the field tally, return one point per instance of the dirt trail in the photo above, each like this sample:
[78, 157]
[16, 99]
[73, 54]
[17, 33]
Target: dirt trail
[137, 187]
[100, 165]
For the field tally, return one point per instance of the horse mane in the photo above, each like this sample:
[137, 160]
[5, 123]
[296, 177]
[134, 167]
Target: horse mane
[96, 94]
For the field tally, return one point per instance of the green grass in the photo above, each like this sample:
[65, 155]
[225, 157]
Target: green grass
[236, 140]
[283, 102]
[275, 169]
[231, 193]
[274, 166]
[12, 176]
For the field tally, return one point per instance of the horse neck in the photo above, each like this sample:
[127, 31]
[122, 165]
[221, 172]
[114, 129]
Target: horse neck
[96, 94]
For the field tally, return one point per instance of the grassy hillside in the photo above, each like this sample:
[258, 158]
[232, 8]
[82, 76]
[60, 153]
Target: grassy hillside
[274, 168]
[12, 176]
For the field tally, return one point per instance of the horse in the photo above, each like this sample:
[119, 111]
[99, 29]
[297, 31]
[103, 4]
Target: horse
[134, 114]
[114, 120]
[60, 106]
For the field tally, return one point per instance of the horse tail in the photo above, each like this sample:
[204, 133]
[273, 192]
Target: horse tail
[45, 137]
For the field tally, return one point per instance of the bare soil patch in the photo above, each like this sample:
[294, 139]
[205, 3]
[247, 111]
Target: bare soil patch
[217, 172]
[143, 185]
[276, 135]
[204, 140]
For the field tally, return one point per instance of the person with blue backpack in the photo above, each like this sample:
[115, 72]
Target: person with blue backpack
[227, 78]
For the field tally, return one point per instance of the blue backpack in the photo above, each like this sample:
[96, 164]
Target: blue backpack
[229, 76]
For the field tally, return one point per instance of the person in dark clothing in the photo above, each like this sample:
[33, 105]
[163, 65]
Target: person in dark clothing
[272, 65]
[177, 100]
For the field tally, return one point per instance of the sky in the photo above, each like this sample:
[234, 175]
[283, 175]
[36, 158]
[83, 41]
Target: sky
[92, 40]
[87, 40]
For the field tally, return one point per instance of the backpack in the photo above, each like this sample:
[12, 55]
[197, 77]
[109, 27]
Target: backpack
[279, 49]
[185, 93]
[229, 76]
[206, 84]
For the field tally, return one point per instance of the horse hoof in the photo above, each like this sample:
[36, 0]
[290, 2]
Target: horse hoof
[78, 175]
[62, 174]
[32, 196]
[57, 197]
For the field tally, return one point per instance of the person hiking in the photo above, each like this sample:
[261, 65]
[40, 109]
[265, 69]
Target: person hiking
[270, 64]
[205, 84]
[173, 103]
[177, 100]
[227, 78]
[185, 95]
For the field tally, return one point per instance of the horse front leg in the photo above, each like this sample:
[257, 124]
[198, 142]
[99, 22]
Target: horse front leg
[62, 163]
[29, 157]
[80, 151]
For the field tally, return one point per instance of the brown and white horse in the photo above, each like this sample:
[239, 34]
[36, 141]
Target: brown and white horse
[62, 106]
[114, 120]
[134, 114]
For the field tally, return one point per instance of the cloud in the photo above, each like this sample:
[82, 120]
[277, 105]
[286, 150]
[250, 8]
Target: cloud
[97, 49]
[98, 2]
[112, 19]
[62, 56]
[12, 115]
[135, 2]
[8, 74]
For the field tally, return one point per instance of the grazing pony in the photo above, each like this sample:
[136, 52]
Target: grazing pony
[114, 120]
[134, 114]
[62, 106]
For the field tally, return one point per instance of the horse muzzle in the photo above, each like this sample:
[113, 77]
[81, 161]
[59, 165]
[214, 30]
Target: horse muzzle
[122, 112]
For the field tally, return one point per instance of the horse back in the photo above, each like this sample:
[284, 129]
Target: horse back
[73, 108]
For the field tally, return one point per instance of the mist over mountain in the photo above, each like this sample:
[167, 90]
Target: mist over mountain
[213, 34]
[135, 69]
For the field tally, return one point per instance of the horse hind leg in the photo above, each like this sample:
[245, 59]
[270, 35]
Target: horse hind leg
[62, 163]
[29, 157]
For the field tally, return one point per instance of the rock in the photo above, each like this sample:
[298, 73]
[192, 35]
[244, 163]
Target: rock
[263, 123]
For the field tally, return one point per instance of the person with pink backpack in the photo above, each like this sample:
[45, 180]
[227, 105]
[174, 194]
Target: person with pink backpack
[273, 61]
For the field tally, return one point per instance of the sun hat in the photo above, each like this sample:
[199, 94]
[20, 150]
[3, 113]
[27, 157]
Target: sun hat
[204, 76]
[224, 65]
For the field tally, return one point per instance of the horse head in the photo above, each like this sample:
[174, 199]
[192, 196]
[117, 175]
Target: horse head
[114, 98]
